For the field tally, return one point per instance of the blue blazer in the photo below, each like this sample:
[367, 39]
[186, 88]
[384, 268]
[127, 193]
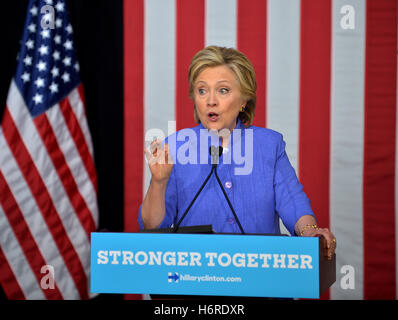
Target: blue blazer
[255, 172]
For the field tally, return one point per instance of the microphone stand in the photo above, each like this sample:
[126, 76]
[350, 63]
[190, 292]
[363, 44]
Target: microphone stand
[193, 200]
[215, 156]
[229, 202]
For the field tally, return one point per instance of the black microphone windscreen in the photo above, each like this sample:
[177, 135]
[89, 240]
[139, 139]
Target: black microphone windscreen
[215, 153]
[213, 150]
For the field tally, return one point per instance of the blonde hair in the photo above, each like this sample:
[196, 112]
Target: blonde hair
[213, 56]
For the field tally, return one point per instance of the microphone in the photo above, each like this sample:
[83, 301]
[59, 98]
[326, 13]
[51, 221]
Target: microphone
[215, 153]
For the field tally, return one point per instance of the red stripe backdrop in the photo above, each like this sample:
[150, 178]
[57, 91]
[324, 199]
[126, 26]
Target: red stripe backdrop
[133, 17]
[133, 110]
[314, 126]
[379, 156]
[190, 39]
[252, 29]
[314, 123]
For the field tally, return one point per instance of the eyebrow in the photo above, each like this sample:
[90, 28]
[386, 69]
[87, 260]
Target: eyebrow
[220, 81]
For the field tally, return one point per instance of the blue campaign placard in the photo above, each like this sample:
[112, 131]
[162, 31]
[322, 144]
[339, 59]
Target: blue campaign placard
[205, 264]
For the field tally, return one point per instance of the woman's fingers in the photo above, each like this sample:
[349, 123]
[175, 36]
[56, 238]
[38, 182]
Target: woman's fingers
[156, 154]
[155, 145]
[167, 157]
[331, 242]
[147, 154]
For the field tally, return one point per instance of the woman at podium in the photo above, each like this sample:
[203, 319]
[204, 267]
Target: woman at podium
[225, 171]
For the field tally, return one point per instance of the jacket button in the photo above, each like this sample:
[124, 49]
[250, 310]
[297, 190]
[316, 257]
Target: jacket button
[228, 184]
[231, 220]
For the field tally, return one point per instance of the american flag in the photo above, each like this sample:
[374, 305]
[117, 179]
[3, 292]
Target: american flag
[48, 182]
[327, 80]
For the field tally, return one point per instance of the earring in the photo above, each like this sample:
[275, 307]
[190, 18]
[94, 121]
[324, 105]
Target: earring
[242, 109]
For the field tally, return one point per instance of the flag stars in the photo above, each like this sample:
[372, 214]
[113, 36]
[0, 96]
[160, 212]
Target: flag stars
[34, 11]
[48, 65]
[58, 23]
[32, 28]
[59, 6]
[55, 72]
[43, 50]
[68, 45]
[45, 34]
[39, 82]
[37, 98]
[53, 87]
[25, 77]
[67, 61]
[30, 44]
[66, 77]
[56, 55]
[27, 61]
[57, 39]
[69, 28]
[41, 66]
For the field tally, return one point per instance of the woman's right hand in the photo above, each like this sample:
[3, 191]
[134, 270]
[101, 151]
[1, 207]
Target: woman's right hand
[159, 161]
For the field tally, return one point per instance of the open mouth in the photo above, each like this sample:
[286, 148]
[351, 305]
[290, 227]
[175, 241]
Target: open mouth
[212, 116]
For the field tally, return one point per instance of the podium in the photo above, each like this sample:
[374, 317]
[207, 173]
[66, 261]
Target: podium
[210, 264]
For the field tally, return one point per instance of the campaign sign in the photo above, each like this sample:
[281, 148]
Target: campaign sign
[205, 264]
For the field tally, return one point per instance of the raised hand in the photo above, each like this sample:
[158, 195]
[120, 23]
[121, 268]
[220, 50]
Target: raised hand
[159, 162]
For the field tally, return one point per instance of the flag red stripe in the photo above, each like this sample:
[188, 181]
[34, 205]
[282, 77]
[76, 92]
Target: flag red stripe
[133, 111]
[314, 125]
[133, 19]
[379, 149]
[80, 90]
[24, 236]
[79, 139]
[44, 202]
[190, 39]
[47, 134]
[251, 40]
[8, 281]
